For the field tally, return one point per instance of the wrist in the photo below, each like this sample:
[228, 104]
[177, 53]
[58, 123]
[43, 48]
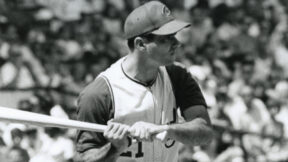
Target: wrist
[166, 127]
[162, 135]
[169, 130]
[111, 153]
[118, 148]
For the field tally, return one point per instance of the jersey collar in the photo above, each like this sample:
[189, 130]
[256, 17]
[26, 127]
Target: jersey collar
[149, 84]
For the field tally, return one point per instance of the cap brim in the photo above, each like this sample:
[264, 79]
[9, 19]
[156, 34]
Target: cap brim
[171, 27]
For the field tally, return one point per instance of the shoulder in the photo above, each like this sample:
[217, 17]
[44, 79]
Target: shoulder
[96, 98]
[175, 68]
[186, 89]
[94, 106]
[179, 74]
[97, 88]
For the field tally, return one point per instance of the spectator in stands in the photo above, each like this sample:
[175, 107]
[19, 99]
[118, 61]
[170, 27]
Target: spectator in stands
[3, 147]
[253, 120]
[274, 148]
[17, 136]
[201, 23]
[17, 154]
[96, 63]
[22, 70]
[233, 153]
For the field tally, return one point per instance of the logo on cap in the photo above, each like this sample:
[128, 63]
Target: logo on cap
[166, 11]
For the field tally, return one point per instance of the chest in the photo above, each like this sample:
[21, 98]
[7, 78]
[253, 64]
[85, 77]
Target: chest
[134, 102]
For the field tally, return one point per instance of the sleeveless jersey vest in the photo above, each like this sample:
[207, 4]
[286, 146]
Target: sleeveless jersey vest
[134, 102]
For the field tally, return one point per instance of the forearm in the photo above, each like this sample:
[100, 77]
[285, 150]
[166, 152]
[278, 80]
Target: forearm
[194, 132]
[103, 154]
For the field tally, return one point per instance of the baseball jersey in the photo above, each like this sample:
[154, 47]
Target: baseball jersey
[128, 101]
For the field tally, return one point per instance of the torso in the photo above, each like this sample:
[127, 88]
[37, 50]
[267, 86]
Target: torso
[134, 102]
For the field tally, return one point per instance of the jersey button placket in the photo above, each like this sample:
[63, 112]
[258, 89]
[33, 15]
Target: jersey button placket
[154, 120]
[157, 151]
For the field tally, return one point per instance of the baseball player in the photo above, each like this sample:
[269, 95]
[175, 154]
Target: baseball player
[138, 97]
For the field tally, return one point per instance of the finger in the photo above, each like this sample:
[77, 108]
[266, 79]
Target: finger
[131, 131]
[109, 121]
[124, 132]
[134, 132]
[142, 134]
[147, 135]
[113, 130]
[108, 129]
[137, 133]
[119, 132]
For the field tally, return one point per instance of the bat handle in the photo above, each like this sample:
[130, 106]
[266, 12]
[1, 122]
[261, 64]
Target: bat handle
[161, 136]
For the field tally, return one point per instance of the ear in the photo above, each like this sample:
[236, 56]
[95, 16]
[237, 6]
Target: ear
[139, 43]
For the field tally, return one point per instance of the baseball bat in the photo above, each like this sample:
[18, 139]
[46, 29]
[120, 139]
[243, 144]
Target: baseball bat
[30, 118]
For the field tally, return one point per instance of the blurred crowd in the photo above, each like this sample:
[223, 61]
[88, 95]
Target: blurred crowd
[237, 50]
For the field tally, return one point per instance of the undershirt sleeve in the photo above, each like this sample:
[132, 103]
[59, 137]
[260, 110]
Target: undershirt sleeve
[186, 89]
[94, 106]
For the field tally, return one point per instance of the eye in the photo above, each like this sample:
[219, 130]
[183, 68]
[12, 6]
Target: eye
[166, 38]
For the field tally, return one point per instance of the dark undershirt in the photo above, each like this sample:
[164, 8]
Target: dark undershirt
[95, 104]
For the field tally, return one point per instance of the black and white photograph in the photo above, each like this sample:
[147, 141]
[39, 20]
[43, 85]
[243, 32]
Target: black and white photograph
[143, 81]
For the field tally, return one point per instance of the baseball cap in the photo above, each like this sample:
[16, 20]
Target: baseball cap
[152, 17]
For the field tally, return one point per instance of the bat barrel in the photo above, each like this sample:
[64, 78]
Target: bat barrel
[24, 117]
[18, 116]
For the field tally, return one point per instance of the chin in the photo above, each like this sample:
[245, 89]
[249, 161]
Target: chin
[170, 62]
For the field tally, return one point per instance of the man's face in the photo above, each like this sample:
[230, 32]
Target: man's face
[162, 49]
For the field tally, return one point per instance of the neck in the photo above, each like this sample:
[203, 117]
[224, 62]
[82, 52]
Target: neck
[139, 68]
